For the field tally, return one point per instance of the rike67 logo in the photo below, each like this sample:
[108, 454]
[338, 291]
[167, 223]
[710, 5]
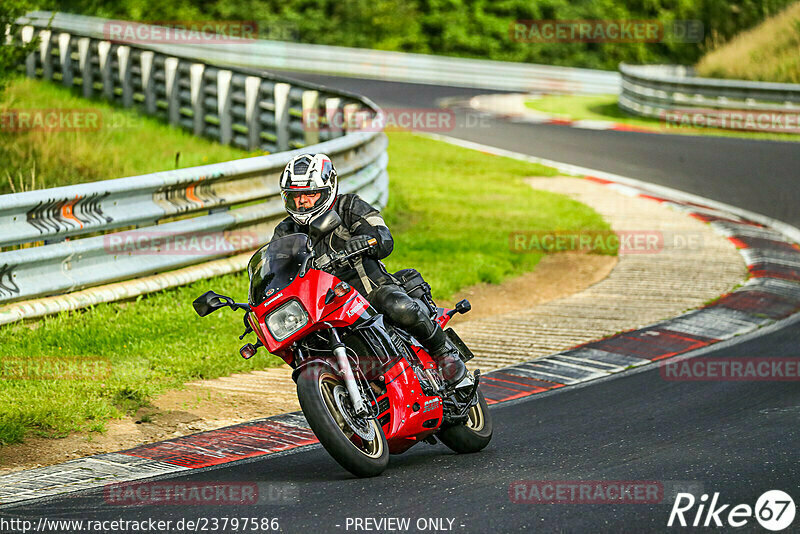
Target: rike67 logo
[774, 510]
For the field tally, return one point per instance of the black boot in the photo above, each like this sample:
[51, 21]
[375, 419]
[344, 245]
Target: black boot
[450, 363]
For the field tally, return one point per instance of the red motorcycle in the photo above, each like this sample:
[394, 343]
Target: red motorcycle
[367, 388]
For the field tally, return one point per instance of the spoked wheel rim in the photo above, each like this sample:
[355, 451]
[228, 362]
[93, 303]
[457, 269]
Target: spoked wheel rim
[475, 418]
[349, 424]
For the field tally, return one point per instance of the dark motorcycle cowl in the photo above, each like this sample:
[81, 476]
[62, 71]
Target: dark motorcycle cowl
[275, 265]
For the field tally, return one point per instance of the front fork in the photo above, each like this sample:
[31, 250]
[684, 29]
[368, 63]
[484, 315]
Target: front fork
[340, 352]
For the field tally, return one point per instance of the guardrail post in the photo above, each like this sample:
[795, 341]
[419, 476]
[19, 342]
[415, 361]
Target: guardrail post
[65, 56]
[46, 54]
[28, 33]
[173, 87]
[146, 59]
[197, 82]
[335, 116]
[104, 57]
[85, 66]
[282, 115]
[224, 78]
[351, 117]
[124, 63]
[252, 88]
[311, 123]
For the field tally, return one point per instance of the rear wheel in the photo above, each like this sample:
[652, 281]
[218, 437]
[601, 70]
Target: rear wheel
[357, 443]
[473, 435]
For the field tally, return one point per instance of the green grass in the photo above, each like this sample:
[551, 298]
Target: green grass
[124, 144]
[768, 52]
[605, 108]
[451, 210]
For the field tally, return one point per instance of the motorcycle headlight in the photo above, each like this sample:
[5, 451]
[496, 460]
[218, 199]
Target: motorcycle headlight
[287, 320]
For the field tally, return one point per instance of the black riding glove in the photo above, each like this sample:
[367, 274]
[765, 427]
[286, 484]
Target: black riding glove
[357, 243]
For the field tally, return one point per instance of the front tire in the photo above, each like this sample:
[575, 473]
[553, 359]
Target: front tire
[473, 435]
[317, 392]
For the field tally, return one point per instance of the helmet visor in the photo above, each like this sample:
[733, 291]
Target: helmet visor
[301, 201]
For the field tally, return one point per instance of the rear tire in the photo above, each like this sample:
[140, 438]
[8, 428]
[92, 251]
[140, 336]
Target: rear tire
[473, 435]
[316, 392]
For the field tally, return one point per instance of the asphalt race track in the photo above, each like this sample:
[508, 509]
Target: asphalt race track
[736, 438]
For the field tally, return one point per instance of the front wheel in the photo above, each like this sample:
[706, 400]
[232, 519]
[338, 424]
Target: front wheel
[356, 443]
[473, 435]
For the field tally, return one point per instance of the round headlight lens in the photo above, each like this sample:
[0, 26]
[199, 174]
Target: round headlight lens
[287, 320]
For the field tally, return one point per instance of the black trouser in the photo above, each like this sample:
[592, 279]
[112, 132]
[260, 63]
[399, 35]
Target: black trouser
[405, 312]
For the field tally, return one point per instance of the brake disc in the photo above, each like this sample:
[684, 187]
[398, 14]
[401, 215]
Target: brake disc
[361, 427]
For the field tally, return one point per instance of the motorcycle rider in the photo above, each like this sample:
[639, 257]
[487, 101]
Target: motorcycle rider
[309, 187]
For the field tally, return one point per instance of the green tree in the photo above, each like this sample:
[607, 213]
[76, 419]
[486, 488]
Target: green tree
[467, 28]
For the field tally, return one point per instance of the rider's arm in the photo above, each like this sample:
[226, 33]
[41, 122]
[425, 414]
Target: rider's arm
[283, 228]
[366, 220]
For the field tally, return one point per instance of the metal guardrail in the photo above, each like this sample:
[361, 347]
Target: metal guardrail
[62, 212]
[67, 233]
[250, 109]
[379, 64]
[664, 91]
[79, 263]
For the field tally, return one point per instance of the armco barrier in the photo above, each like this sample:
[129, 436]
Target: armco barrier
[74, 237]
[247, 108]
[365, 63]
[670, 92]
[75, 264]
[61, 212]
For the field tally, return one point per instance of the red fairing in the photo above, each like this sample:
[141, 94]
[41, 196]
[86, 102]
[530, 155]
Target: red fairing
[412, 415]
[310, 291]
[444, 318]
[409, 408]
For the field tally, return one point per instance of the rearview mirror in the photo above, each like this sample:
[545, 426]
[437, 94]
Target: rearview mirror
[210, 302]
[325, 223]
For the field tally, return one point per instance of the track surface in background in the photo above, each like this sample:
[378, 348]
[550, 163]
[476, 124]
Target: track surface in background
[736, 438]
[762, 176]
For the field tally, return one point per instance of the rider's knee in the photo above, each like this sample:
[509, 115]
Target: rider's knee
[397, 305]
[404, 311]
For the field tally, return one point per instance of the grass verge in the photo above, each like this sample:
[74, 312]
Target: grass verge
[605, 108]
[110, 143]
[451, 211]
[767, 53]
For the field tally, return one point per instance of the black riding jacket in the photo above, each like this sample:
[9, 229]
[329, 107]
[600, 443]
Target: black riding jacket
[358, 218]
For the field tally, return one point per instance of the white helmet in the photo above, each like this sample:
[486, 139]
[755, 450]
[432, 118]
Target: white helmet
[308, 174]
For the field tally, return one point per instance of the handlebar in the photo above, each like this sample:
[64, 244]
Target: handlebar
[341, 256]
[247, 327]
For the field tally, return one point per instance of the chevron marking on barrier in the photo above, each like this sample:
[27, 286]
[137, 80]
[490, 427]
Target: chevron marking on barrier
[10, 287]
[179, 198]
[68, 213]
